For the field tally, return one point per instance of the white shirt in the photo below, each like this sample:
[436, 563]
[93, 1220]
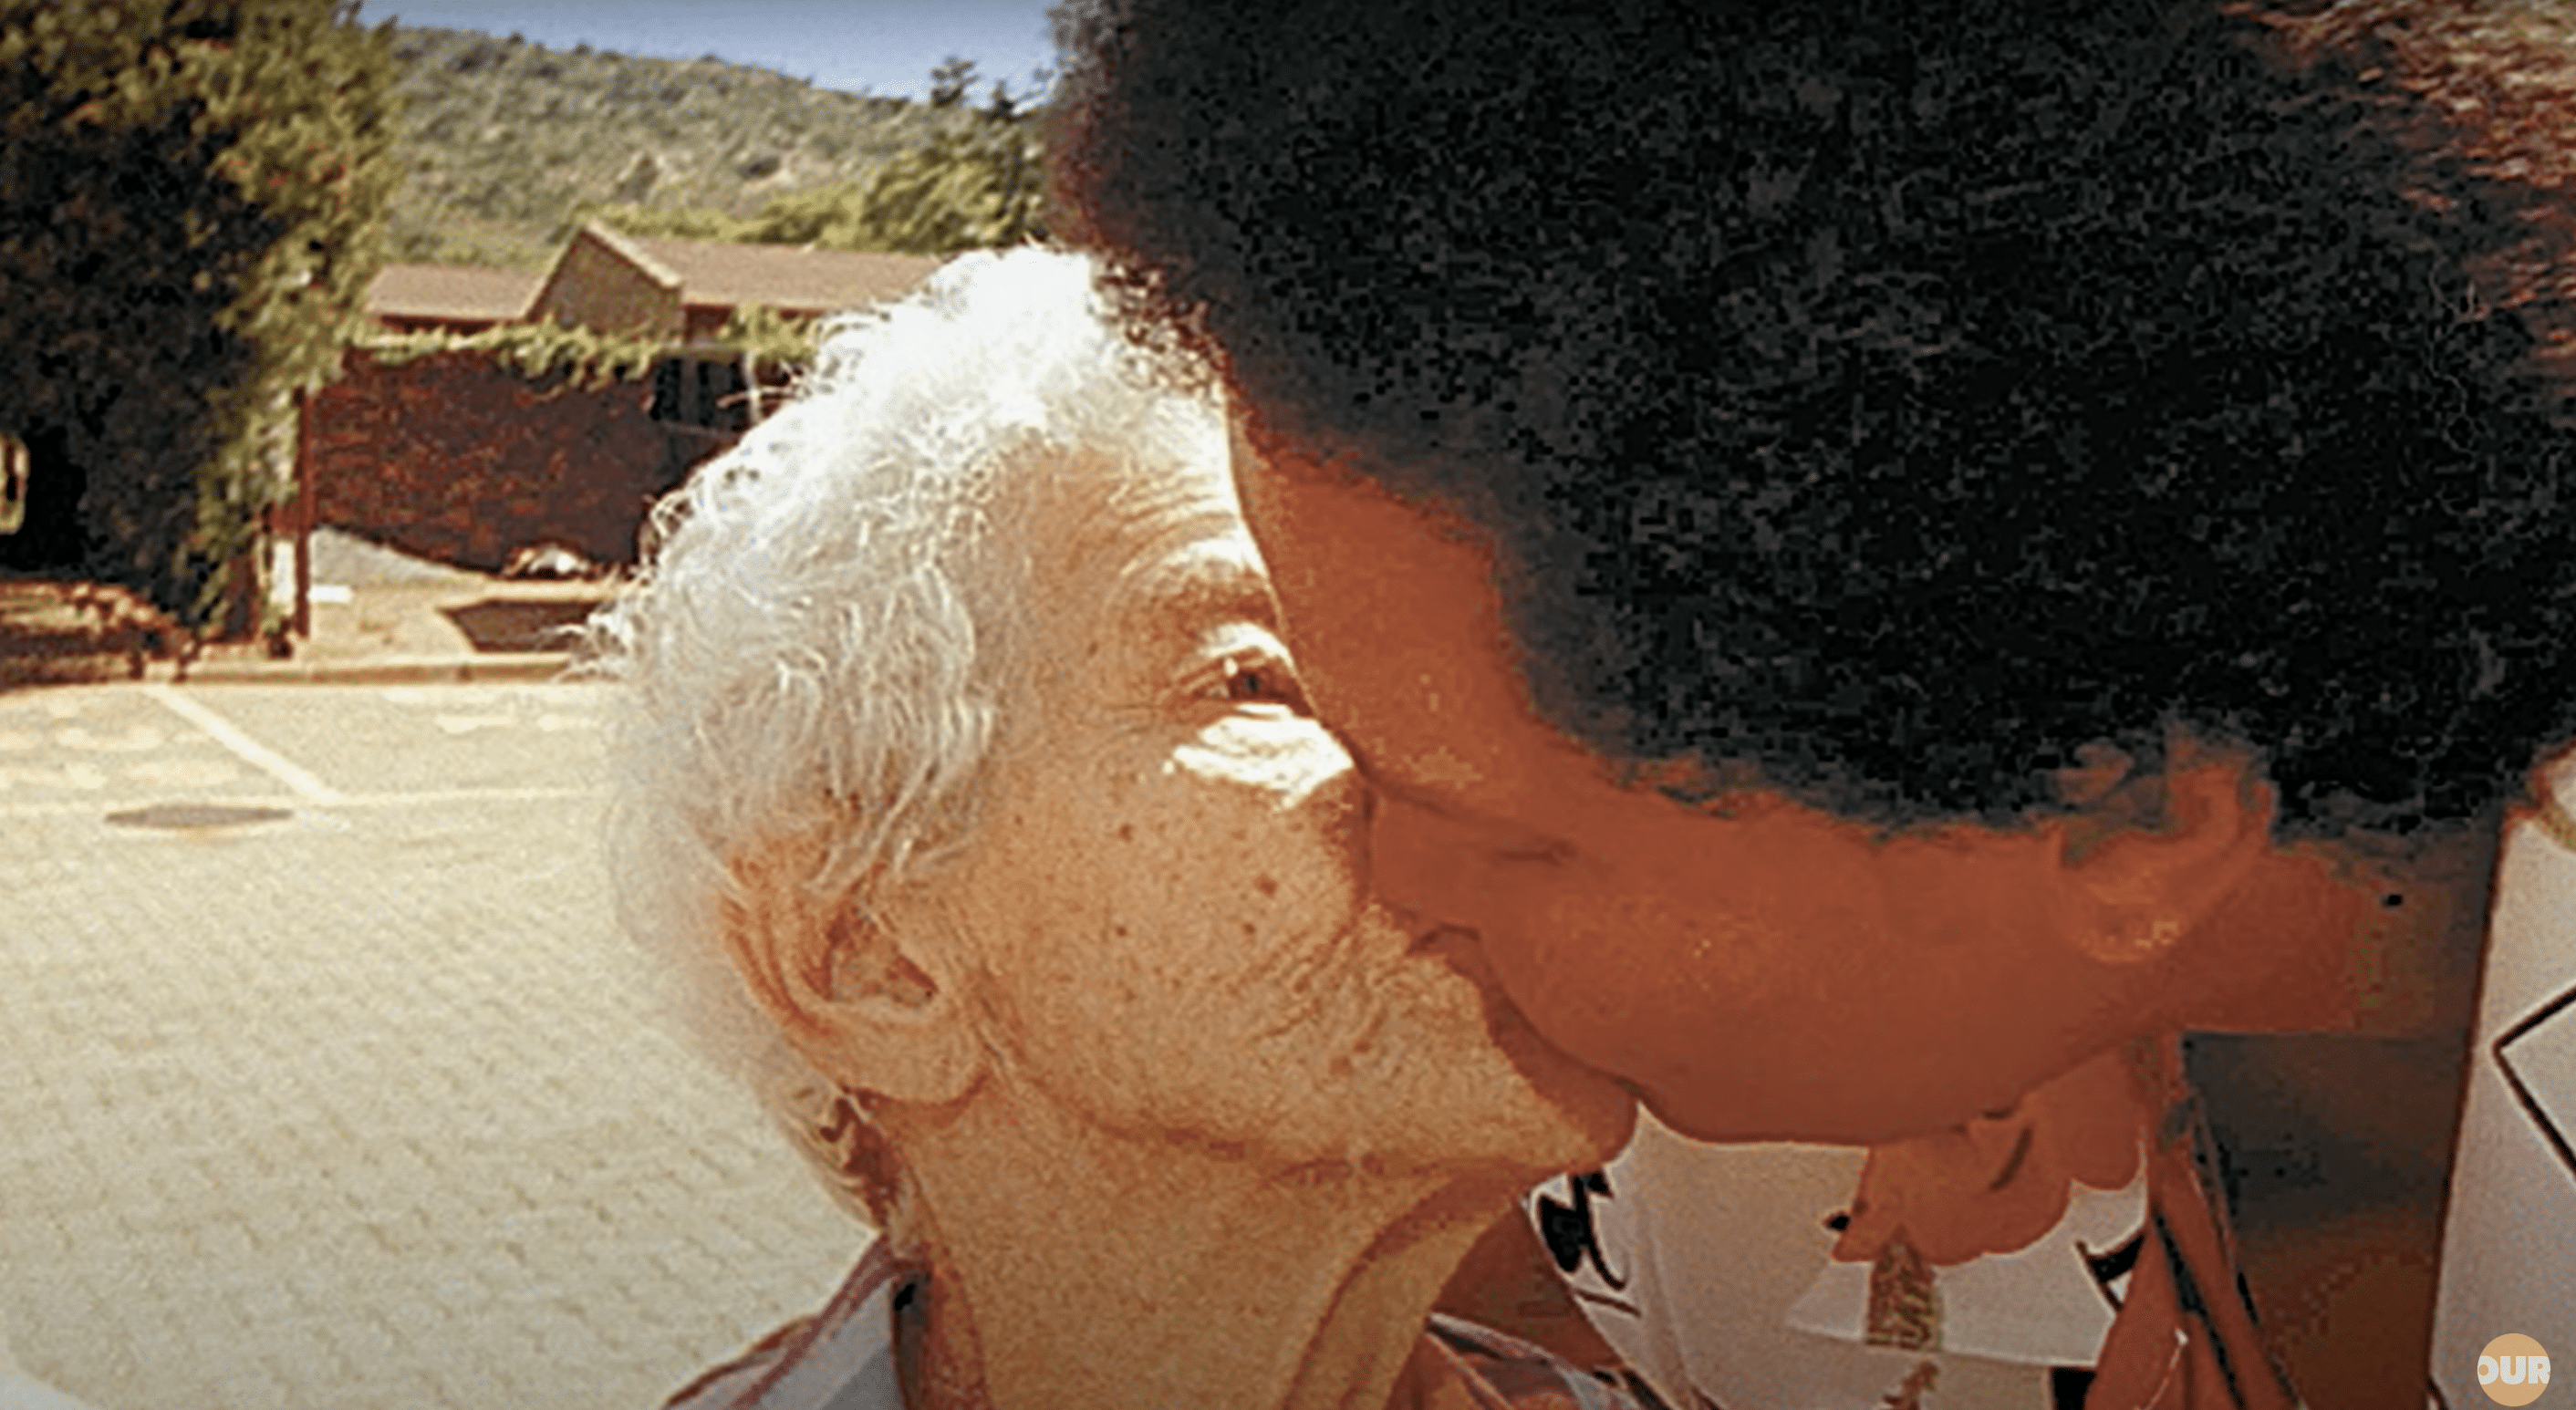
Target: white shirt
[2509, 1243]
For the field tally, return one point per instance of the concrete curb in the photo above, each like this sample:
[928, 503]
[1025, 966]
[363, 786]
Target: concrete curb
[490, 667]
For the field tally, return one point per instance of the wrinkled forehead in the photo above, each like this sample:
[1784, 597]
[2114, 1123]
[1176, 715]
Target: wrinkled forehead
[1121, 542]
[1077, 514]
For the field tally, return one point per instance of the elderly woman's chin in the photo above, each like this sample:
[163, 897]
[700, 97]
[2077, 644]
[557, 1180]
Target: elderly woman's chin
[1386, 1054]
[1446, 1078]
[1549, 1113]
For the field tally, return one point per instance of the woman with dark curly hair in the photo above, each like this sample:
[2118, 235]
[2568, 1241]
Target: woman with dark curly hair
[1881, 551]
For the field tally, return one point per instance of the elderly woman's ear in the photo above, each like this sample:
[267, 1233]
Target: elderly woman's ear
[867, 995]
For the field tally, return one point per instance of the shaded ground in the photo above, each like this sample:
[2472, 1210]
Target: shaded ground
[43, 639]
[370, 603]
[521, 623]
[56, 632]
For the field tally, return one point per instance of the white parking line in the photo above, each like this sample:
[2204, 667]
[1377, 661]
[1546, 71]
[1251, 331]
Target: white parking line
[250, 751]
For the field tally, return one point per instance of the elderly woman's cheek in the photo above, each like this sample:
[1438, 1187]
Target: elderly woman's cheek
[1293, 775]
[1274, 819]
[1290, 759]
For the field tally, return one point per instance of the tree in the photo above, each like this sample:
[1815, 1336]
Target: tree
[192, 196]
[979, 182]
[972, 187]
[951, 81]
[977, 186]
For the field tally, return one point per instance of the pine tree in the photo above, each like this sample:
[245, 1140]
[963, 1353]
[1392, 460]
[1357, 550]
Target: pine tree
[192, 197]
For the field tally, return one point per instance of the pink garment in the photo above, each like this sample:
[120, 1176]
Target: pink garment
[843, 1358]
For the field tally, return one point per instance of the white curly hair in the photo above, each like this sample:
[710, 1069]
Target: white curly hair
[826, 636]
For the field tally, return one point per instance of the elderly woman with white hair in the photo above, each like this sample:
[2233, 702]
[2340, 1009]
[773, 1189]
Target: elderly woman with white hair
[965, 778]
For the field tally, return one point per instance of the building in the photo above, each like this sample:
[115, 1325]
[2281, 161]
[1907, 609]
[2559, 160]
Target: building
[453, 456]
[454, 298]
[685, 291]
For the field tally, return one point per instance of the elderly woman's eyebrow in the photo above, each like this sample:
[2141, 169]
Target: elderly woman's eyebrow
[1186, 594]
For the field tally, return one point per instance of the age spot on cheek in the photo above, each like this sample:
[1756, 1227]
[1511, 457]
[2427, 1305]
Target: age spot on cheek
[1266, 885]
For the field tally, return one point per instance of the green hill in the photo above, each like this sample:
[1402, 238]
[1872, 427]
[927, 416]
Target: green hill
[504, 142]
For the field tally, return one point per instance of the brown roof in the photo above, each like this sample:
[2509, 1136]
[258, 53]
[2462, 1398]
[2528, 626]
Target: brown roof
[790, 278]
[462, 292]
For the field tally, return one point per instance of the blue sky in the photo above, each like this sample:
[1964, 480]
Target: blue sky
[876, 46]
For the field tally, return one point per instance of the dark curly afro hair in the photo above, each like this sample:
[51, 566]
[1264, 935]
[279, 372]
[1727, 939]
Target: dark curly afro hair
[1888, 399]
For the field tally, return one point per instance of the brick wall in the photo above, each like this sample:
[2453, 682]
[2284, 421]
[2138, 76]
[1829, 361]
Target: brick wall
[453, 458]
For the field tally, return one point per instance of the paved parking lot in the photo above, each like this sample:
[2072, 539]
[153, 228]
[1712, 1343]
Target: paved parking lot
[357, 1100]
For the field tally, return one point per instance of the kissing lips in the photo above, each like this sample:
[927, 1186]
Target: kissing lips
[1441, 937]
[1464, 951]
[1575, 1085]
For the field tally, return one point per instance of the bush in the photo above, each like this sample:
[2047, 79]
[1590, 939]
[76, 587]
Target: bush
[191, 206]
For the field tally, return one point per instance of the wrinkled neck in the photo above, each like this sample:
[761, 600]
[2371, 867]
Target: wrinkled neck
[1074, 1266]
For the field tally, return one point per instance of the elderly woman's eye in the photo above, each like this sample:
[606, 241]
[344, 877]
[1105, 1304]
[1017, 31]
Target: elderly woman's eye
[1261, 680]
